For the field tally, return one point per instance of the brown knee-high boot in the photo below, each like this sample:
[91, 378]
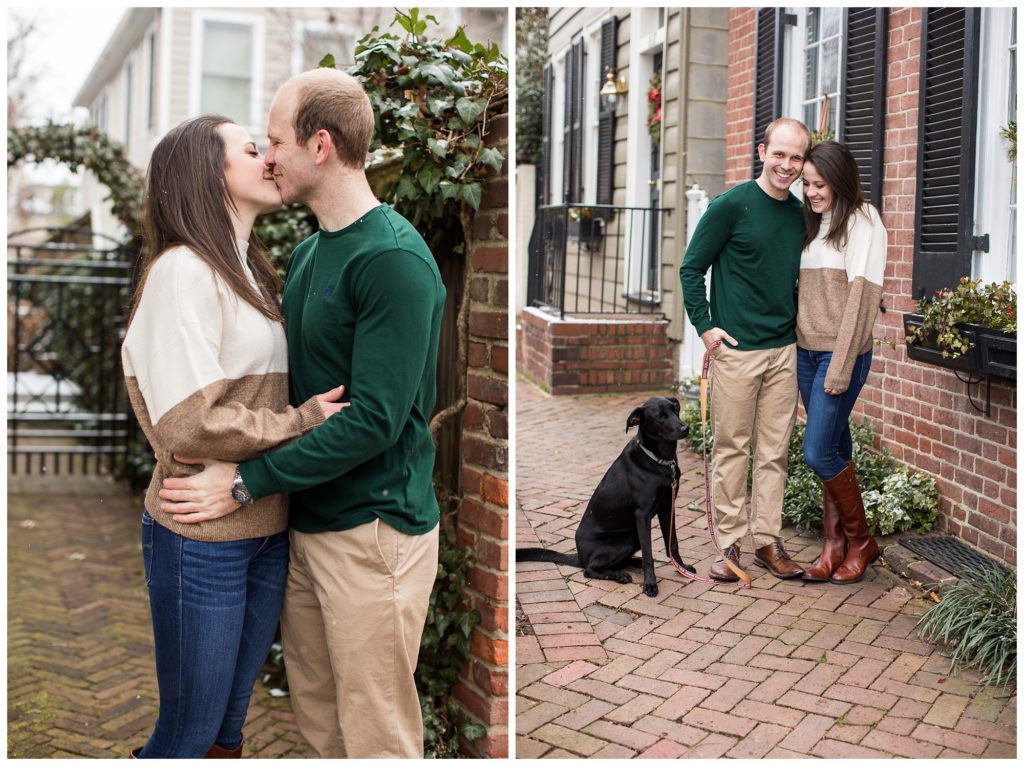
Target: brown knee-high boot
[833, 549]
[216, 751]
[861, 548]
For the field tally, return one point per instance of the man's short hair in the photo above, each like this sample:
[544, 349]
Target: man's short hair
[789, 121]
[335, 101]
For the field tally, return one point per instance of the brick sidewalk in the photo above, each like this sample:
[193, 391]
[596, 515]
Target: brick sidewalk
[781, 670]
[80, 677]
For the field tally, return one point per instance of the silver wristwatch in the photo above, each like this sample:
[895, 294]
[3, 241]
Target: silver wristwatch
[239, 491]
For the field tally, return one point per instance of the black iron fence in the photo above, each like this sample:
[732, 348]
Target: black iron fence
[596, 259]
[67, 407]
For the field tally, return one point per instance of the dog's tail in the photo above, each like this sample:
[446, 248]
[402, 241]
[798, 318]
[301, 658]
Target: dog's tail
[552, 557]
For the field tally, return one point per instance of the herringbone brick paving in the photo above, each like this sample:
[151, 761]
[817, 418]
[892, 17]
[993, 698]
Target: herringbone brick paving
[80, 677]
[783, 669]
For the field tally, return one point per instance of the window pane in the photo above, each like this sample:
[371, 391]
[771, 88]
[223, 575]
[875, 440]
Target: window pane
[811, 73]
[227, 50]
[318, 44]
[830, 66]
[228, 96]
[811, 115]
[812, 25]
[830, 22]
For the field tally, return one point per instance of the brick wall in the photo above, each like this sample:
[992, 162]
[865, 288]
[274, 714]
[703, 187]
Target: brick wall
[482, 693]
[581, 356]
[920, 412]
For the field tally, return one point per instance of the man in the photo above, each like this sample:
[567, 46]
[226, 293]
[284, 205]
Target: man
[752, 235]
[363, 301]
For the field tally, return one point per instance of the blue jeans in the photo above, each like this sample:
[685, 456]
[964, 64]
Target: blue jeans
[215, 609]
[828, 444]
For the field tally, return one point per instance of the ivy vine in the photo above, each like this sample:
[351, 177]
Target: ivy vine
[89, 148]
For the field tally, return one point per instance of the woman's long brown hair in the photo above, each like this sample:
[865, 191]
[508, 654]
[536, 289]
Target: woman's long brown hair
[187, 203]
[837, 168]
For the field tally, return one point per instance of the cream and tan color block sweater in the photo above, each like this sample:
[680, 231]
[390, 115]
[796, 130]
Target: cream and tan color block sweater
[207, 376]
[840, 292]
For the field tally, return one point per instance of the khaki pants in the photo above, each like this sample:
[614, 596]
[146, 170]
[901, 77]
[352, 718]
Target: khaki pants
[753, 401]
[354, 610]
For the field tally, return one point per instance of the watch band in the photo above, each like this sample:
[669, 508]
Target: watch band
[239, 491]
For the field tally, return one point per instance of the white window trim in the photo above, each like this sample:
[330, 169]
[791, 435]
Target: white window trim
[592, 105]
[256, 21]
[128, 77]
[648, 39]
[317, 26]
[151, 103]
[793, 63]
[993, 171]
[557, 147]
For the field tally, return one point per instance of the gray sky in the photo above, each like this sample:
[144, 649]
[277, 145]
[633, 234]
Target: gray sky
[64, 48]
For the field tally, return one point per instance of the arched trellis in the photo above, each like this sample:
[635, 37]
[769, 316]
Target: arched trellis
[89, 148]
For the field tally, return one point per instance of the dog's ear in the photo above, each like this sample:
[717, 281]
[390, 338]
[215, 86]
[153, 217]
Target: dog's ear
[634, 418]
[675, 403]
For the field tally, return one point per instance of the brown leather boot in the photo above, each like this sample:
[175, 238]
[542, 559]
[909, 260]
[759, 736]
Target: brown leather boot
[861, 548]
[833, 549]
[774, 558]
[720, 570]
[134, 753]
[221, 752]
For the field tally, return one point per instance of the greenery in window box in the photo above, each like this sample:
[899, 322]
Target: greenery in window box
[993, 305]
[978, 621]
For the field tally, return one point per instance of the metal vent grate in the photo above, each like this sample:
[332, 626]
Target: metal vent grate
[951, 554]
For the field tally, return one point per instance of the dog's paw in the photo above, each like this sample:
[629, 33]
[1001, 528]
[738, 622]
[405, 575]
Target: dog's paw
[623, 577]
[651, 589]
[684, 565]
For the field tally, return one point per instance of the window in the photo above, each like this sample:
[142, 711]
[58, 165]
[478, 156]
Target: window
[317, 43]
[226, 86]
[996, 196]
[823, 40]
[809, 57]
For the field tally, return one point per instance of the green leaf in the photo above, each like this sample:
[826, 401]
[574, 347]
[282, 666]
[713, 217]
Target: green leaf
[460, 41]
[327, 61]
[471, 194]
[470, 108]
[441, 74]
[429, 177]
[492, 158]
[438, 146]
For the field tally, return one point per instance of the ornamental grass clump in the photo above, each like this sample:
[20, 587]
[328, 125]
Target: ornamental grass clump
[978, 621]
[992, 305]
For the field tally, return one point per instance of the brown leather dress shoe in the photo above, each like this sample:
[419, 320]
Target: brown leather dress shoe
[774, 558]
[720, 570]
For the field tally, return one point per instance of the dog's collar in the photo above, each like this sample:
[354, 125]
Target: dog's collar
[667, 463]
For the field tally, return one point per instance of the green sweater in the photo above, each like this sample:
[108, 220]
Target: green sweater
[362, 307]
[753, 241]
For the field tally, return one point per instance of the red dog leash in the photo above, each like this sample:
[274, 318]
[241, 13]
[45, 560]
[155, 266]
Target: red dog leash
[705, 390]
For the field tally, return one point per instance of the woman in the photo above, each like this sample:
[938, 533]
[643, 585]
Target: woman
[841, 272]
[206, 366]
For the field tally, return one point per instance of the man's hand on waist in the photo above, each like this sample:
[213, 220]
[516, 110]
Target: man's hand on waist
[715, 335]
[202, 497]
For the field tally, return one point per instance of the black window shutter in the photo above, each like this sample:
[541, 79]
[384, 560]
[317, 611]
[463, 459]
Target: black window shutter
[943, 238]
[863, 114]
[606, 117]
[544, 182]
[767, 76]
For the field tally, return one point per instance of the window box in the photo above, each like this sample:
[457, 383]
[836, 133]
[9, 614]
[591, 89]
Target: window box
[586, 229]
[996, 351]
[931, 354]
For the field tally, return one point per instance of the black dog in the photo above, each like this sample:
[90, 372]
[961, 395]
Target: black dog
[637, 487]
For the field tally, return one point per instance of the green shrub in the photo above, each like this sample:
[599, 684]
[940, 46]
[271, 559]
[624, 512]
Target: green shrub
[895, 499]
[978, 620]
[443, 650]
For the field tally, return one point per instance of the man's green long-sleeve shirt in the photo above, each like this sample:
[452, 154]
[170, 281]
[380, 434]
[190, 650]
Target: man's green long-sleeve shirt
[362, 307]
[753, 241]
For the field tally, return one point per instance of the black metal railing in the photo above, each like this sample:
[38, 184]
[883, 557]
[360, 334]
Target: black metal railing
[596, 259]
[67, 407]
